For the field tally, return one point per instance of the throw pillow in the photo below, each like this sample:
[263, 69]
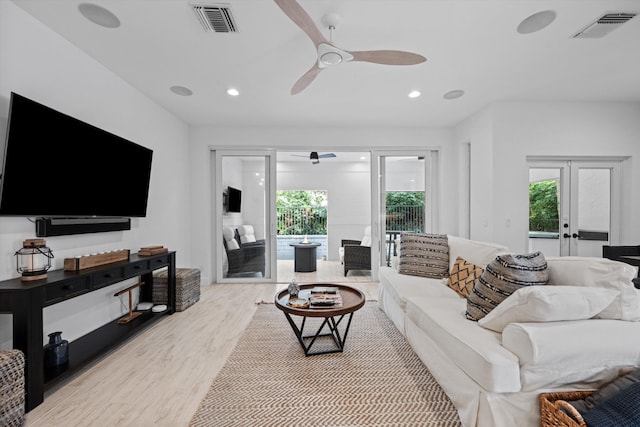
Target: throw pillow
[424, 255]
[607, 391]
[547, 304]
[502, 277]
[462, 277]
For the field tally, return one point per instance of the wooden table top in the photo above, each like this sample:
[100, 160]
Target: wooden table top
[352, 300]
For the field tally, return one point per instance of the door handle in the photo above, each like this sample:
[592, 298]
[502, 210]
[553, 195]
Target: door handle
[575, 235]
[566, 235]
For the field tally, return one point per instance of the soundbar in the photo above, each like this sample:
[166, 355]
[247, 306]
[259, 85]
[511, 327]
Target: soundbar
[46, 227]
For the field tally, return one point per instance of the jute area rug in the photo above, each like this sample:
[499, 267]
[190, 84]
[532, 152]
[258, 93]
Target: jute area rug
[377, 381]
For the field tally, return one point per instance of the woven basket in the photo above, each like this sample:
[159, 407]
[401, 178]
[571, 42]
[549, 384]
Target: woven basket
[551, 414]
[11, 388]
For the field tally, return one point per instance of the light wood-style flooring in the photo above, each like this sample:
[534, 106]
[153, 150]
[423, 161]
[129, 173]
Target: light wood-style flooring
[159, 377]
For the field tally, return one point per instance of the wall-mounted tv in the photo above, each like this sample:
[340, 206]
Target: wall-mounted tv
[234, 199]
[57, 166]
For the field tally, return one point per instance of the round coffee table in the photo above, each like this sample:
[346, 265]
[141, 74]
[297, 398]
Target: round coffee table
[352, 300]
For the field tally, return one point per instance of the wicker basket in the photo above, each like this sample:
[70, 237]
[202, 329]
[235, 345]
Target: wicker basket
[11, 388]
[551, 414]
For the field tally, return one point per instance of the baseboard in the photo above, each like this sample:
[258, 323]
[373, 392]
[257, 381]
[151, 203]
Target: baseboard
[46, 227]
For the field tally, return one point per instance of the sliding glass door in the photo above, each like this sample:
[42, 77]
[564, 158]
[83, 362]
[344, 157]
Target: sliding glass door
[244, 207]
[404, 197]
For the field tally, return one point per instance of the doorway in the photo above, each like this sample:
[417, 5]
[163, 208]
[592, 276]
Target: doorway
[572, 204]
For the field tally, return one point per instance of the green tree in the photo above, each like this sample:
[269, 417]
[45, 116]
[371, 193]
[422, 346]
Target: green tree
[301, 212]
[543, 206]
[405, 210]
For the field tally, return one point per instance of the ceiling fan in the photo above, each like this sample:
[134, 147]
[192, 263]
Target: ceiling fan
[315, 157]
[330, 55]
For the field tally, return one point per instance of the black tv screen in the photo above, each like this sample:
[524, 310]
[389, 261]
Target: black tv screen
[234, 199]
[57, 166]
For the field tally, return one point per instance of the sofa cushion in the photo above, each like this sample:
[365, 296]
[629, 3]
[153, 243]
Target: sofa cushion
[502, 277]
[475, 350]
[424, 255]
[462, 276]
[601, 273]
[366, 238]
[548, 303]
[247, 235]
[553, 354]
[476, 252]
[402, 286]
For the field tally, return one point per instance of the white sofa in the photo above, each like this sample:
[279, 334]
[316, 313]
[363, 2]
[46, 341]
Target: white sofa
[493, 378]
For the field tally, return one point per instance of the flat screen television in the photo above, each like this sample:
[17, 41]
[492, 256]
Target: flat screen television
[56, 166]
[234, 199]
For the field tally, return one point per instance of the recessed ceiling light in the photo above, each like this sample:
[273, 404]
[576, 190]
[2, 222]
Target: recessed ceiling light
[99, 15]
[233, 92]
[536, 22]
[181, 90]
[363, 158]
[453, 94]
[414, 94]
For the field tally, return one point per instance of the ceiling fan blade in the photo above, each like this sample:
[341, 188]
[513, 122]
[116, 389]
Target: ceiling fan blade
[306, 79]
[388, 57]
[301, 18]
[326, 155]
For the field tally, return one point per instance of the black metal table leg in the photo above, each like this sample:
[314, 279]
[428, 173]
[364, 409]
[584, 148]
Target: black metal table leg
[334, 333]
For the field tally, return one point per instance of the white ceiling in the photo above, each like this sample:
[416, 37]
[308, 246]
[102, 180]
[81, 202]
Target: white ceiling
[471, 45]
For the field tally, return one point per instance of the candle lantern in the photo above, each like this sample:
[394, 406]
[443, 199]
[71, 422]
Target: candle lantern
[34, 259]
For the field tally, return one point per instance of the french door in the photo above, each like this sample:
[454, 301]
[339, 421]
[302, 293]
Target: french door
[244, 185]
[573, 206]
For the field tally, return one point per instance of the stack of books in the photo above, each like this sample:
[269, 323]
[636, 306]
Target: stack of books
[152, 250]
[325, 296]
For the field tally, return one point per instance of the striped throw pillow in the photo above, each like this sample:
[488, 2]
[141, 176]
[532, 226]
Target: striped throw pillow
[502, 277]
[424, 255]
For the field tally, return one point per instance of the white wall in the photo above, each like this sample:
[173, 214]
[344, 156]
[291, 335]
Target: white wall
[39, 64]
[504, 134]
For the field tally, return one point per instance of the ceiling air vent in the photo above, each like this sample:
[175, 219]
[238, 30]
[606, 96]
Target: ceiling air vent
[603, 25]
[216, 18]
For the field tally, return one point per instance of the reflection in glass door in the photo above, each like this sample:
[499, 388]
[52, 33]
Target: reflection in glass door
[571, 206]
[244, 209]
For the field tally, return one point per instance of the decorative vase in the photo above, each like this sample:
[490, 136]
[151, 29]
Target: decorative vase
[56, 353]
[293, 288]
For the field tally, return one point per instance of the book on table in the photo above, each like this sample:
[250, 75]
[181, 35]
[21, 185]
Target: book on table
[322, 299]
[324, 290]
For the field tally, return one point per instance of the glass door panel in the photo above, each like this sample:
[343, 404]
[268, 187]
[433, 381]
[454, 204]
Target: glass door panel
[593, 210]
[403, 198]
[245, 238]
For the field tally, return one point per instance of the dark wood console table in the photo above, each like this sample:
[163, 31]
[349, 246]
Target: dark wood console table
[26, 300]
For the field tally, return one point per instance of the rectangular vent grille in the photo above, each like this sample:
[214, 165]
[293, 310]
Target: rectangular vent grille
[217, 19]
[603, 25]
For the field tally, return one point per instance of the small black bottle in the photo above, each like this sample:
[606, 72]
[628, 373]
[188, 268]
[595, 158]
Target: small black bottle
[56, 353]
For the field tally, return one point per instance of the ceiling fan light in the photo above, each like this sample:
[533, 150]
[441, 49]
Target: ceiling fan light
[331, 58]
[536, 22]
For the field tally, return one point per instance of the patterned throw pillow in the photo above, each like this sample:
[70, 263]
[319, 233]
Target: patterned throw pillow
[462, 277]
[424, 255]
[502, 277]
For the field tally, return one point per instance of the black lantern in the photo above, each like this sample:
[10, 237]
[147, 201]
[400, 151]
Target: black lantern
[34, 259]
